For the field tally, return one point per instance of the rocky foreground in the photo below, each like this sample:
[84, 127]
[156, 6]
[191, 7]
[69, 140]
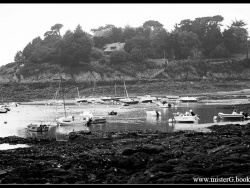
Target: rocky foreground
[221, 156]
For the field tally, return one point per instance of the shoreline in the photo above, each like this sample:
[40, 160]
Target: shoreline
[134, 158]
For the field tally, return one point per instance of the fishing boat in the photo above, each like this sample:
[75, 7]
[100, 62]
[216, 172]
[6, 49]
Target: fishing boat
[185, 118]
[42, 127]
[188, 99]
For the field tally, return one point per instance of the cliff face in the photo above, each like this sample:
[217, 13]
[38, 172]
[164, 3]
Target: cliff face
[12, 74]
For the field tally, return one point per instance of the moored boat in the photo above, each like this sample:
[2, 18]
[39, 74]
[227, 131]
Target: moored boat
[185, 118]
[188, 99]
[38, 127]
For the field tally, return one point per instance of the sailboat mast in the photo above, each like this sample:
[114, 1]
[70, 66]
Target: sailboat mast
[78, 92]
[115, 89]
[63, 96]
[125, 89]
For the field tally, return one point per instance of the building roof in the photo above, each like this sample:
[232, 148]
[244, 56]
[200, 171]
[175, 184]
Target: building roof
[114, 46]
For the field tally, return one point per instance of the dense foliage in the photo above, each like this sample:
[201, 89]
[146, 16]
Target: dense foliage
[201, 38]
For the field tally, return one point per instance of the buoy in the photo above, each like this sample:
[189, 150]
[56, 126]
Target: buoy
[5, 122]
[170, 120]
[215, 117]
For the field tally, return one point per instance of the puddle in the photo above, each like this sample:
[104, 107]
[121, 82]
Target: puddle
[7, 146]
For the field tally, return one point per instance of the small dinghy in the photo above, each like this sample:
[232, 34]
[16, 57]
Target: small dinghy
[38, 127]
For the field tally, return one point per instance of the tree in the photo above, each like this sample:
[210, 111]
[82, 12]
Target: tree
[118, 57]
[137, 55]
[75, 47]
[96, 53]
[19, 56]
[152, 24]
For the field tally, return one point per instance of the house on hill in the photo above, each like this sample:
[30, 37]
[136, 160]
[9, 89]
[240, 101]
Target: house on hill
[109, 48]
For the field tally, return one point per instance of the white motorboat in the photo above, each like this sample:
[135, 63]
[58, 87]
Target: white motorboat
[91, 119]
[185, 118]
[231, 116]
[188, 99]
[70, 120]
[3, 110]
[147, 99]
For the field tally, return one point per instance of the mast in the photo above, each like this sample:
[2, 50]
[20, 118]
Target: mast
[115, 89]
[63, 95]
[78, 92]
[125, 89]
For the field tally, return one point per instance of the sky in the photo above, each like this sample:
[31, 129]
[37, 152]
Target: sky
[20, 23]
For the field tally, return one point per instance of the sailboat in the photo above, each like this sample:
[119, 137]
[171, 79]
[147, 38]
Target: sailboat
[69, 120]
[80, 99]
[128, 100]
[116, 98]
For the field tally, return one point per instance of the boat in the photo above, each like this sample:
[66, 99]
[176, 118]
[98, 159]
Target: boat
[3, 110]
[231, 116]
[69, 120]
[164, 104]
[147, 99]
[185, 118]
[112, 113]
[127, 99]
[80, 99]
[42, 127]
[91, 119]
[5, 106]
[188, 99]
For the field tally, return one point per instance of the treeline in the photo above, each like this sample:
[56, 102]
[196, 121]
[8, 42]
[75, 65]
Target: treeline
[201, 38]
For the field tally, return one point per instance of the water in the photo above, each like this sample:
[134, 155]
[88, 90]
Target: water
[133, 117]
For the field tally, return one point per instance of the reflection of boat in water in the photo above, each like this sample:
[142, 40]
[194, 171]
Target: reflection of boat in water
[185, 126]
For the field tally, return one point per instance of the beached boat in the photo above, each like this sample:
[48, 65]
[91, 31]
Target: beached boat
[80, 99]
[91, 119]
[3, 110]
[185, 118]
[164, 104]
[7, 107]
[147, 99]
[128, 100]
[188, 99]
[112, 113]
[70, 120]
[42, 127]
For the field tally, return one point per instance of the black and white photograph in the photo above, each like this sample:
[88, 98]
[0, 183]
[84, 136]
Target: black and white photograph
[124, 93]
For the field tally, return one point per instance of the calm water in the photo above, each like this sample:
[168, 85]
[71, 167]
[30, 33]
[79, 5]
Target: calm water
[131, 117]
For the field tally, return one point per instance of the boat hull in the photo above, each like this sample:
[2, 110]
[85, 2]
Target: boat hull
[231, 116]
[186, 119]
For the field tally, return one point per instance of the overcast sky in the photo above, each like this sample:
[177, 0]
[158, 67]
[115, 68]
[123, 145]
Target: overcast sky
[21, 23]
